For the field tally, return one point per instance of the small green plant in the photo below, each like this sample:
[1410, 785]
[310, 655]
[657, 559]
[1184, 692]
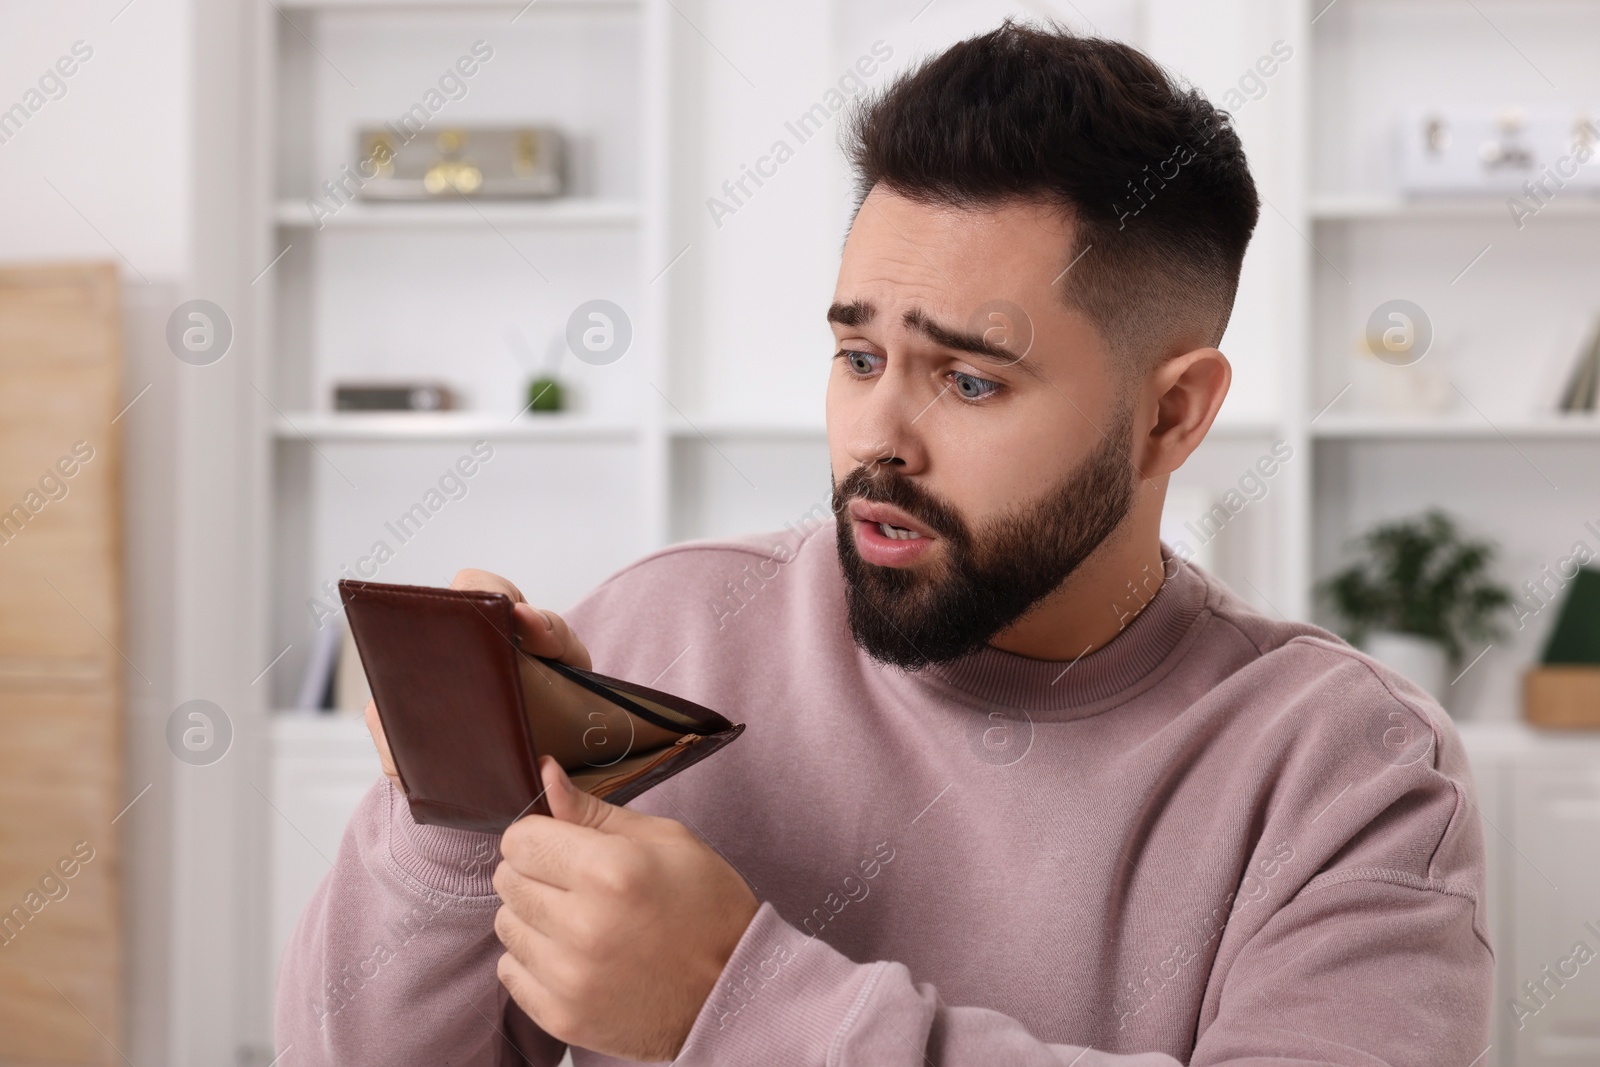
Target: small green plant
[1420, 577]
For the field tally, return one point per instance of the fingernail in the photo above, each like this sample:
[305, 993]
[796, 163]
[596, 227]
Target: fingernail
[549, 623]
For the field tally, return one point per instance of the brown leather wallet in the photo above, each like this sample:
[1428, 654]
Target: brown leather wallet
[467, 713]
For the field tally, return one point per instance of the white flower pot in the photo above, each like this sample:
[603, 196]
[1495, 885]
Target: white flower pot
[1423, 660]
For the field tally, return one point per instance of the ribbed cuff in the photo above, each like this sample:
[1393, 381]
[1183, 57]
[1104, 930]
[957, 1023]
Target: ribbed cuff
[443, 860]
[782, 999]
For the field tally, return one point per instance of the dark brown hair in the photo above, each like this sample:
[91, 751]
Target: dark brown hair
[1152, 177]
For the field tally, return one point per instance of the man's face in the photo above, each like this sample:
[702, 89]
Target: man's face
[977, 428]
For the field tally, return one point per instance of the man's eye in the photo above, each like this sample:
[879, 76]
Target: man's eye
[972, 388]
[861, 363]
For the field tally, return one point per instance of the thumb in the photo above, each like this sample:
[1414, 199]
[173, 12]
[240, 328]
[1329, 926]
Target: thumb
[568, 803]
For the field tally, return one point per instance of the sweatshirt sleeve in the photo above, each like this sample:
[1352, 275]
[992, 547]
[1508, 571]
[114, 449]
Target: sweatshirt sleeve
[1360, 968]
[393, 960]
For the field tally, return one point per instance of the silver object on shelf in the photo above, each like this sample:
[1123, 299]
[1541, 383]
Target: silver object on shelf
[1495, 151]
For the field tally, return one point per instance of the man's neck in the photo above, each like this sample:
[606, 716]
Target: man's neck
[1096, 602]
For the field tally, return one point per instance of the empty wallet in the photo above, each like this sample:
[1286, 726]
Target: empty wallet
[467, 713]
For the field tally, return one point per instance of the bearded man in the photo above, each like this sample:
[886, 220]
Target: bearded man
[1019, 785]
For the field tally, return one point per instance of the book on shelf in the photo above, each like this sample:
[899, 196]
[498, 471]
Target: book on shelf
[1583, 385]
[333, 681]
[350, 692]
[1575, 639]
[316, 681]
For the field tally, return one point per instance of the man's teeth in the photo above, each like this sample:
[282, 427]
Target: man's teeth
[898, 533]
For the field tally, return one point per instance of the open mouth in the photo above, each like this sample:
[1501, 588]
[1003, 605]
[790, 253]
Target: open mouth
[898, 533]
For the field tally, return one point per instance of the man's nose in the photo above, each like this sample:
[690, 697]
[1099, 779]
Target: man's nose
[888, 424]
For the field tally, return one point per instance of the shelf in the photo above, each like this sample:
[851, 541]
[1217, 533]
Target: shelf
[1571, 203]
[789, 428]
[1454, 427]
[452, 6]
[557, 213]
[746, 427]
[1513, 737]
[446, 426]
[306, 724]
[1239, 429]
[320, 736]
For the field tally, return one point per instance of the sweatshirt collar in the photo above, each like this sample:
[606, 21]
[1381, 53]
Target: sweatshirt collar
[1095, 682]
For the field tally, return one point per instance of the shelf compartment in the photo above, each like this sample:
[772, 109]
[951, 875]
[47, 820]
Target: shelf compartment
[447, 426]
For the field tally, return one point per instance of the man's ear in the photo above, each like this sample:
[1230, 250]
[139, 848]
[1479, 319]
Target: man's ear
[1182, 397]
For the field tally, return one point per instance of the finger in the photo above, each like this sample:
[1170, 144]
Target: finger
[540, 978]
[534, 902]
[532, 996]
[541, 632]
[483, 581]
[552, 852]
[544, 633]
[381, 742]
[532, 943]
[584, 841]
[569, 804]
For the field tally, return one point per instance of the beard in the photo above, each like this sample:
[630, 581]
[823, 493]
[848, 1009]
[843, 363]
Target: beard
[909, 617]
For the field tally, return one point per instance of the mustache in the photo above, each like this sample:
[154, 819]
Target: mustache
[882, 485]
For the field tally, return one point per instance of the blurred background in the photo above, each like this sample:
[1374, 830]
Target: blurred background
[314, 289]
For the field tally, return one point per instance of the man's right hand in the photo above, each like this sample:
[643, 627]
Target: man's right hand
[539, 632]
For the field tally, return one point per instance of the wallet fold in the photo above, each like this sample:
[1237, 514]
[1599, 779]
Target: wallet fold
[467, 713]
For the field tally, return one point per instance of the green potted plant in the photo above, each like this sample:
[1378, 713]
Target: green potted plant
[1419, 597]
[545, 391]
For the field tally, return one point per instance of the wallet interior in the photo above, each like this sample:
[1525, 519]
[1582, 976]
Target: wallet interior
[601, 745]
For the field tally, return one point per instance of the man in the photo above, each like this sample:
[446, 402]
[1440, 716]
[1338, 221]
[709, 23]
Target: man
[1019, 786]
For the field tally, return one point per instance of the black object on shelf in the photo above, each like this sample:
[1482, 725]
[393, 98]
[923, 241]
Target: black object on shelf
[393, 396]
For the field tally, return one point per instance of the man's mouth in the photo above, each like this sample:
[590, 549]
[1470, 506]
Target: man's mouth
[897, 533]
[893, 521]
[888, 536]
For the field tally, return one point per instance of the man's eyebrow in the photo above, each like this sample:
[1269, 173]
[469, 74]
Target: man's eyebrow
[974, 343]
[855, 313]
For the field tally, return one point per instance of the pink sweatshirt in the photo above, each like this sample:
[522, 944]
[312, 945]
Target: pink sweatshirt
[1221, 838]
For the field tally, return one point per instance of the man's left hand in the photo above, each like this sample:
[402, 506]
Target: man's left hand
[616, 925]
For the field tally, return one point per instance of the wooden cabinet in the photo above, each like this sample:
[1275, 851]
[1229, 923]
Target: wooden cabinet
[60, 668]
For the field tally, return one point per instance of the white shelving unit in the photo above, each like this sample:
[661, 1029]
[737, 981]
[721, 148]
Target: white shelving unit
[1509, 307]
[475, 293]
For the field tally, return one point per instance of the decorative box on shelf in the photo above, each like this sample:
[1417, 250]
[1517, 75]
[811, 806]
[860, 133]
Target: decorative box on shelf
[488, 161]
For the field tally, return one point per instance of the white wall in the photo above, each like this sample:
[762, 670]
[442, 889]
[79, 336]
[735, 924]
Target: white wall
[103, 173]
[115, 145]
